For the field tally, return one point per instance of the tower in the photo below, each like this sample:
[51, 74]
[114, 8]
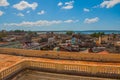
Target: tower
[100, 39]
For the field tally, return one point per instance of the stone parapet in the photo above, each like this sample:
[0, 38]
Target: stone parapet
[86, 70]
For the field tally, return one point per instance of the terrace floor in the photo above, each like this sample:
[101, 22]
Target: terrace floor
[35, 75]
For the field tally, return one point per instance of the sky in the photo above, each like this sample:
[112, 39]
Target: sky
[46, 15]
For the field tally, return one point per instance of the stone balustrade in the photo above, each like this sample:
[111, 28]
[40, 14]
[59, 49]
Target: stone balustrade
[87, 70]
[4, 74]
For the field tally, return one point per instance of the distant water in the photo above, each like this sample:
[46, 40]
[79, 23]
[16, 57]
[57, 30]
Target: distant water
[82, 32]
[90, 32]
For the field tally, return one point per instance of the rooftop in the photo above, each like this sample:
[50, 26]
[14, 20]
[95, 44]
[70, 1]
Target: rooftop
[9, 60]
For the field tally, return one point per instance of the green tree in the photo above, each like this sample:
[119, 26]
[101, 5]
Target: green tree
[97, 34]
[2, 35]
[69, 32]
[17, 31]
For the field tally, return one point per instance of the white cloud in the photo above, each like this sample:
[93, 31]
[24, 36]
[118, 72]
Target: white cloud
[60, 4]
[4, 3]
[71, 21]
[96, 6]
[91, 20]
[66, 5]
[39, 23]
[41, 12]
[109, 3]
[23, 5]
[86, 10]
[1, 13]
[28, 12]
[20, 14]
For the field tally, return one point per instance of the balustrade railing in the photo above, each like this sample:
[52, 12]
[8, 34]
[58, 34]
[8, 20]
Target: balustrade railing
[101, 71]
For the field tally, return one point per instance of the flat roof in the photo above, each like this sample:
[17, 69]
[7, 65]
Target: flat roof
[8, 60]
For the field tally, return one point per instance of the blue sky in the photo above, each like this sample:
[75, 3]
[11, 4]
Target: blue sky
[47, 15]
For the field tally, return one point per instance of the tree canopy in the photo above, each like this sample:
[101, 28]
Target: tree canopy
[97, 34]
[69, 32]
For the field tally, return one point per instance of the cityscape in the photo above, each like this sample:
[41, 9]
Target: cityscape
[59, 40]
